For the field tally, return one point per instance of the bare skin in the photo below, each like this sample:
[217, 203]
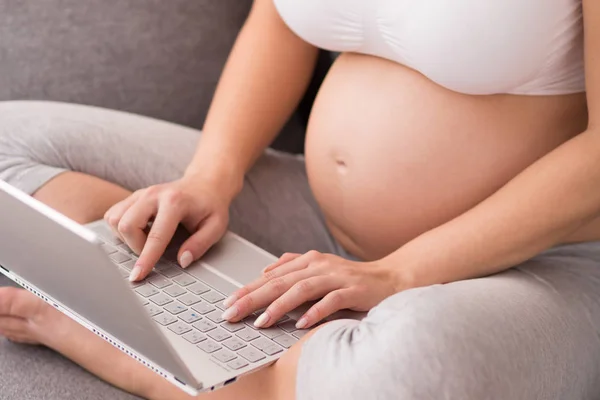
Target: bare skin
[464, 193]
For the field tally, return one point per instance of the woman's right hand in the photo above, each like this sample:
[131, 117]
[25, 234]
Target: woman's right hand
[197, 204]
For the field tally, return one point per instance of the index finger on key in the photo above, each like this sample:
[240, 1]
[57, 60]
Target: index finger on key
[160, 235]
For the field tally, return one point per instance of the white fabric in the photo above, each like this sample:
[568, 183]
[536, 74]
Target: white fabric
[470, 46]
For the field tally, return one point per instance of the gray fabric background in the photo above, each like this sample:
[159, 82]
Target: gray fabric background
[152, 57]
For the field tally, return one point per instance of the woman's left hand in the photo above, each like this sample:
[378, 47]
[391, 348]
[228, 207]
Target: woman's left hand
[295, 279]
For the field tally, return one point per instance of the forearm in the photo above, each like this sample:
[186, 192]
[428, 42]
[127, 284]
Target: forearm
[536, 210]
[264, 79]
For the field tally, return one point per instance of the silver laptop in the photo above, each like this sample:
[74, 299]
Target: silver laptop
[171, 322]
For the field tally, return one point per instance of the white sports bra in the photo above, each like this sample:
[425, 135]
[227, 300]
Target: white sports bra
[532, 47]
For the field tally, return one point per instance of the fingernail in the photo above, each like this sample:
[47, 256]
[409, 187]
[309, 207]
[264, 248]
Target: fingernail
[262, 320]
[186, 259]
[231, 312]
[228, 302]
[266, 268]
[135, 273]
[301, 324]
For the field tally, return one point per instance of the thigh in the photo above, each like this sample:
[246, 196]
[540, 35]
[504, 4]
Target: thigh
[39, 140]
[528, 333]
[45, 138]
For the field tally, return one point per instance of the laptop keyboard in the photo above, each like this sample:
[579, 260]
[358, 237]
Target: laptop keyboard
[192, 309]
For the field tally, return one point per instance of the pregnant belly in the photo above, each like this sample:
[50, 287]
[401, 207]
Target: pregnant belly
[391, 154]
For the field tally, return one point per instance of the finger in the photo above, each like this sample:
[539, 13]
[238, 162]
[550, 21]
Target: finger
[18, 303]
[287, 257]
[12, 325]
[160, 235]
[264, 295]
[296, 264]
[209, 232]
[115, 213]
[134, 223]
[332, 302]
[22, 340]
[302, 291]
[18, 337]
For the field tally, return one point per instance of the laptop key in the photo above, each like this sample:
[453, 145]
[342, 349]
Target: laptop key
[219, 334]
[224, 356]
[234, 344]
[194, 337]
[249, 321]
[162, 265]
[286, 340]
[119, 257]
[271, 332]
[128, 265]
[179, 328]
[213, 297]
[204, 326]
[247, 334]
[190, 316]
[175, 308]
[238, 363]
[251, 354]
[221, 306]
[159, 281]
[153, 310]
[188, 299]
[272, 349]
[160, 299]
[134, 285]
[261, 343]
[203, 308]
[171, 272]
[146, 290]
[198, 288]
[108, 249]
[164, 319]
[184, 280]
[127, 249]
[233, 326]
[143, 300]
[215, 316]
[209, 346]
[174, 290]
[124, 273]
[288, 326]
[300, 333]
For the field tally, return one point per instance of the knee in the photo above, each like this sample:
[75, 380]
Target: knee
[414, 345]
[33, 143]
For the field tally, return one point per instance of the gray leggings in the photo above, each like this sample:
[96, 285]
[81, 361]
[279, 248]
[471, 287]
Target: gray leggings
[531, 332]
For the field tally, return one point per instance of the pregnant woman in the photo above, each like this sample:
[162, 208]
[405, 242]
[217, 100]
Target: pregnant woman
[451, 186]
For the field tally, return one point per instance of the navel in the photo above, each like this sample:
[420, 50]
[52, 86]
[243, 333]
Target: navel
[341, 166]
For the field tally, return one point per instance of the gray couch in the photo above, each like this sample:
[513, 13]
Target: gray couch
[153, 57]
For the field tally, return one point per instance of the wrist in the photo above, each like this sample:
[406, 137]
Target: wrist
[400, 274]
[226, 180]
